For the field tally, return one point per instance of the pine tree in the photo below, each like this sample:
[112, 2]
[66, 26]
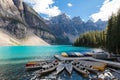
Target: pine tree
[118, 33]
[109, 33]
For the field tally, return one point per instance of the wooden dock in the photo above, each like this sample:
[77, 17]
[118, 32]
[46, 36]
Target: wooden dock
[59, 57]
[109, 63]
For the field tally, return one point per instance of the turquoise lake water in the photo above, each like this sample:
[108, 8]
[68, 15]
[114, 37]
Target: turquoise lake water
[14, 58]
[19, 53]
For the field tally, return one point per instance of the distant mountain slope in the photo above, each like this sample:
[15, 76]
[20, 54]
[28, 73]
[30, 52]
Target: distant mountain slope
[8, 40]
[33, 40]
[66, 28]
[21, 21]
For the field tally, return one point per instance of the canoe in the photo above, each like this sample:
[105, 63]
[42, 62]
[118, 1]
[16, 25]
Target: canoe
[64, 54]
[78, 54]
[34, 65]
[94, 65]
[89, 68]
[81, 70]
[72, 54]
[69, 67]
[46, 70]
[60, 68]
[95, 71]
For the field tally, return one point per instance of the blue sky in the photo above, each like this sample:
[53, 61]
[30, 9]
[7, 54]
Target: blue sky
[86, 9]
[82, 8]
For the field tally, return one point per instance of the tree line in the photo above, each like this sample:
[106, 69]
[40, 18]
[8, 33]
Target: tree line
[108, 39]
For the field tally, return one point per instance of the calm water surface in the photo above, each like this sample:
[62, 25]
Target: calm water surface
[14, 58]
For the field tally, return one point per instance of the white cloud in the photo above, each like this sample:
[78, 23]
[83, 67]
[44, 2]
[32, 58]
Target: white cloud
[69, 5]
[44, 7]
[108, 7]
[106, 1]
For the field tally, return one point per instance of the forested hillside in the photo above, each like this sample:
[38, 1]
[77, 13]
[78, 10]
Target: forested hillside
[108, 39]
[91, 39]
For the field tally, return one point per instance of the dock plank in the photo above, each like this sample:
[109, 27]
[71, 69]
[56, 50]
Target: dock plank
[110, 63]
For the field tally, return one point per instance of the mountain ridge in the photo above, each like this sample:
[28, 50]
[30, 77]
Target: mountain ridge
[64, 26]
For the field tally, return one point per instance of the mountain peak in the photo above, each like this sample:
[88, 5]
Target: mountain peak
[77, 19]
[99, 21]
[60, 18]
[63, 15]
[90, 21]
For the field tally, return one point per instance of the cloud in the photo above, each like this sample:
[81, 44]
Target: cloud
[69, 5]
[108, 7]
[45, 7]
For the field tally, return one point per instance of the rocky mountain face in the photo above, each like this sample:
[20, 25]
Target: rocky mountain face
[37, 24]
[68, 29]
[20, 20]
[11, 20]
